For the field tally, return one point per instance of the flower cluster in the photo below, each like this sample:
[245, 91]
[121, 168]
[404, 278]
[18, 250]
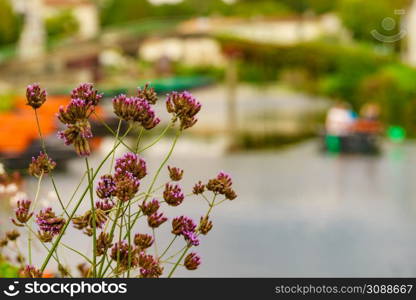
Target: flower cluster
[173, 194]
[49, 224]
[87, 93]
[41, 165]
[186, 227]
[30, 272]
[205, 225]
[35, 96]
[149, 208]
[192, 261]
[106, 187]
[222, 185]
[130, 163]
[175, 174]
[122, 252]
[86, 221]
[75, 116]
[156, 219]
[149, 266]
[22, 212]
[104, 242]
[136, 110]
[148, 93]
[184, 108]
[143, 241]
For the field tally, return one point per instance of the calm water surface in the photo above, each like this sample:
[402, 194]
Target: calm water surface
[299, 213]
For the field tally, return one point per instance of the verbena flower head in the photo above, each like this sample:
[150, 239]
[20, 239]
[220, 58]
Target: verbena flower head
[48, 222]
[205, 225]
[198, 188]
[86, 221]
[105, 205]
[175, 174]
[41, 165]
[78, 135]
[184, 108]
[87, 92]
[149, 208]
[35, 96]
[149, 266]
[192, 261]
[104, 242]
[173, 194]
[126, 187]
[76, 110]
[136, 110]
[132, 163]
[186, 227]
[222, 185]
[106, 187]
[156, 219]
[143, 241]
[148, 93]
[22, 213]
[121, 252]
[30, 271]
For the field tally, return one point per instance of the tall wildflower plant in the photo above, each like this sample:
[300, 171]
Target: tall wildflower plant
[119, 200]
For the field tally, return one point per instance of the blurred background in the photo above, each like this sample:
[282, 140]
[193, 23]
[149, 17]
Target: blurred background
[309, 104]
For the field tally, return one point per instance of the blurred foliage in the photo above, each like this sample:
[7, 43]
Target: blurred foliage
[10, 23]
[362, 17]
[6, 102]
[7, 270]
[354, 74]
[62, 25]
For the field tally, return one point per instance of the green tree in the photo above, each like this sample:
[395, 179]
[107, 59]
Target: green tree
[10, 23]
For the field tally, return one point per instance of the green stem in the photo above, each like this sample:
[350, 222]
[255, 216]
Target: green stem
[58, 239]
[178, 261]
[178, 133]
[114, 153]
[168, 247]
[94, 219]
[113, 228]
[138, 140]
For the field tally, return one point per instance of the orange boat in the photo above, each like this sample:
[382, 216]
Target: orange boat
[19, 136]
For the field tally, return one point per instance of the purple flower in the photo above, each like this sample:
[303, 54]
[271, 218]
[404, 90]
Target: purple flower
[22, 212]
[150, 267]
[156, 219]
[173, 194]
[184, 107]
[186, 227]
[222, 185]
[35, 96]
[106, 187]
[86, 92]
[136, 110]
[126, 187]
[49, 223]
[192, 261]
[175, 174]
[105, 205]
[78, 135]
[149, 208]
[41, 165]
[148, 93]
[132, 163]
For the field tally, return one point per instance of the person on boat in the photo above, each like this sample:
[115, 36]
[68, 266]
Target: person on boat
[339, 120]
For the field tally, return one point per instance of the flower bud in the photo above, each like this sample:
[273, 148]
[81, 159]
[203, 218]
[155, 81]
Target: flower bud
[30, 272]
[147, 93]
[104, 242]
[192, 261]
[149, 208]
[173, 195]
[155, 220]
[41, 165]
[143, 241]
[199, 188]
[12, 235]
[35, 96]
[205, 225]
[175, 174]
[22, 213]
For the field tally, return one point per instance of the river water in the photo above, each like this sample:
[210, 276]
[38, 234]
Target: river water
[299, 212]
